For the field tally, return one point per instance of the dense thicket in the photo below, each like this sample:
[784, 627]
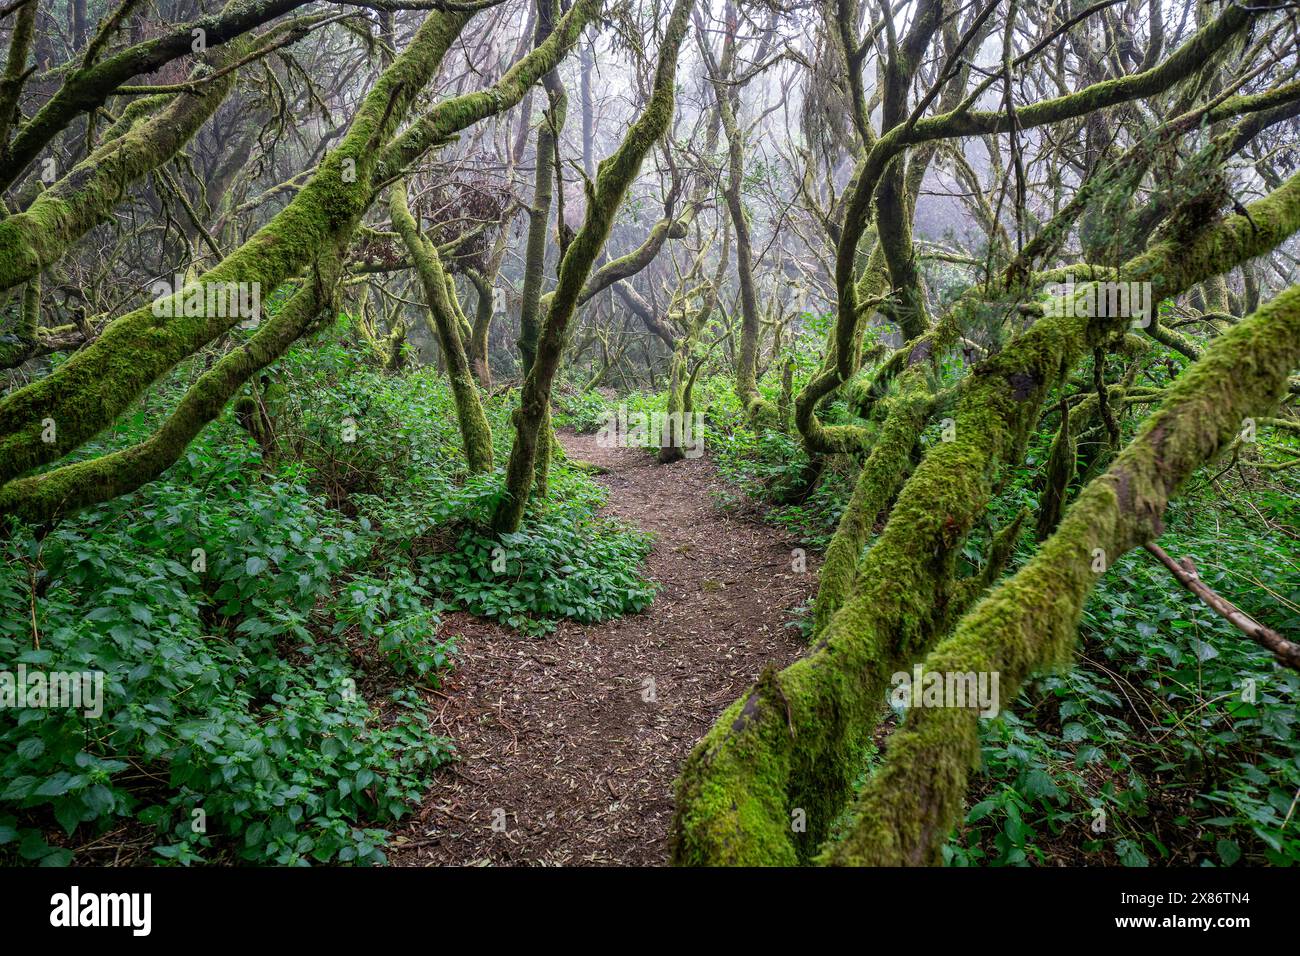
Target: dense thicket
[985, 301]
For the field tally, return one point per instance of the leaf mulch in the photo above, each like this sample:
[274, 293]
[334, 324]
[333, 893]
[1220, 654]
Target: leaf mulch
[569, 745]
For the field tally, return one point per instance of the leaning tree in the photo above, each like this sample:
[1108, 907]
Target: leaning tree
[1142, 191]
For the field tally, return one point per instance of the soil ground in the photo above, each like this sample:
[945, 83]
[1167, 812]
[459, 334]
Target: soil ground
[571, 743]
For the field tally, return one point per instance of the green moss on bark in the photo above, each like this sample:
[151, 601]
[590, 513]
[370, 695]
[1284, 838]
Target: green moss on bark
[1029, 622]
[1061, 462]
[53, 493]
[34, 239]
[88, 391]
[613, 178]
[475, 431]
[802, 739]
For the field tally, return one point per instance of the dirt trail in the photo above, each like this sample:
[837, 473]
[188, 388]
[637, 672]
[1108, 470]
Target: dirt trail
[556, 740]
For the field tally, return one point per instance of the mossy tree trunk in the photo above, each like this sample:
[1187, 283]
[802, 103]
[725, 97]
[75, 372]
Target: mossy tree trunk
[475, 432]
[612, 180]
[721, 74]
[743, 781]
[85, 393]
[89, 85]
[680, 375]
[912, 802]
[478, 341]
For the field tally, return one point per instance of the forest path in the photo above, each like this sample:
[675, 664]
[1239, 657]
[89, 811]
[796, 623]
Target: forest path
[554, 736]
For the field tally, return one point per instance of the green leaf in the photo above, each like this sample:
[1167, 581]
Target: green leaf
[68, 813]
[1037, 783]
[1130, 854]
[1229, 852]
[57, 785]
[98, 798]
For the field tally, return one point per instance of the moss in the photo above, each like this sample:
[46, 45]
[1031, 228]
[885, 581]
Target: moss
[874, 164]
[88, 391]
[478, 341]
[756, 409]
[613, 177]
[475, 431]
[629, 265]
[457, 113]
[1029, 622]
[89, 86]
[539, 214]
[15, 72]
[884, 471]
[817, 438]
[671, 450]
[34, 239]
[887, 465]
[62, 490]
[904, 590]
[20, 343]
[833, 697]
[1061, 463]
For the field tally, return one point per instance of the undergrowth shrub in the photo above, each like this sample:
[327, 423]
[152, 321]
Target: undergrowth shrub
[232, 725]
[566, 564]
[266, 614]
[1173, 739]
[584, 412]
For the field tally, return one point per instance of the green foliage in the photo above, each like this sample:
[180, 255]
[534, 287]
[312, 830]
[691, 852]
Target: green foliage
[227, 699]
[564, 565]
[1153, 734]
[764, 464]
[760, 465]
[1150, 725]
[265, 683]
[584, 412]
[1148, 735]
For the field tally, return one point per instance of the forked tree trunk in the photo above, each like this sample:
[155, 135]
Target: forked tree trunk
[615, 175]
